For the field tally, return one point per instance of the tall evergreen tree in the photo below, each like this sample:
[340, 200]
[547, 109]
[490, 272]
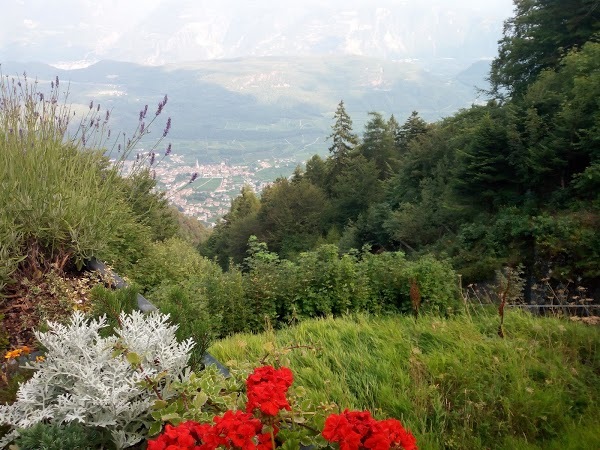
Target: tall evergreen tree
[292, 216]
[378, 144]
[229, 238]
[344, 140]
[355, 189]
[410, 130]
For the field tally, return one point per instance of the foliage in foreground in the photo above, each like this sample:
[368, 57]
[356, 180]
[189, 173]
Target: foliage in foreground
[72, 436]
[453, 381]
[100, 381]
[272, 419]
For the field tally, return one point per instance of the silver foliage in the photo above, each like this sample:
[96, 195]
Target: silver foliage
[82, 380]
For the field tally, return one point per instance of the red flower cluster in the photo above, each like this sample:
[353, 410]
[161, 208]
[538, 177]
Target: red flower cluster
[266, 388]
[357, 430]
[233, 430]
[185, 436]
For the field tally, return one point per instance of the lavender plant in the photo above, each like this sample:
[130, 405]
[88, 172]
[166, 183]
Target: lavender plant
[59, 195]
[106, 382]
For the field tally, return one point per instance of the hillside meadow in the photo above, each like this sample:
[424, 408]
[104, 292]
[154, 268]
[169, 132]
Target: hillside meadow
[452, 381]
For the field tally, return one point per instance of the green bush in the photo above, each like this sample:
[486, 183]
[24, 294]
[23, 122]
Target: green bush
[170, 262]
[189, 309]
[72, 436]
[322, 282]
[437, 283]
[111, 303]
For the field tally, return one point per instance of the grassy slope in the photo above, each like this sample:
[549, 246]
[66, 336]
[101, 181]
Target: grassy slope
[454, 382]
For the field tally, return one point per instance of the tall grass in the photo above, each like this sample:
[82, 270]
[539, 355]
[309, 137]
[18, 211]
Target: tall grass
[452, 381]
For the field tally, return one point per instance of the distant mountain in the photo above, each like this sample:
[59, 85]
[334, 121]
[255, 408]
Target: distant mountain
[251, 108]
[164, 31]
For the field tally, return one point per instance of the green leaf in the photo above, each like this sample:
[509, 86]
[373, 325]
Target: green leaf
[199, 400]
[159, 404]
[154, 429]
[298, 419]
[134, 359]
[170, 417]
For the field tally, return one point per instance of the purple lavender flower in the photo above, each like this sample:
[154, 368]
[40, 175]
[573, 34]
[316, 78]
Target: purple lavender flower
[41, 97]
[168, 151]
[119, 148]
[194, 176]
[161, 105]
[107, 115]
[109, 134]
[91, 104]
[98, 108]
[141, 116]
[142, 126]
[167, 128]
[152, 158]
[52, 84]
[56, 80]
[145, 110]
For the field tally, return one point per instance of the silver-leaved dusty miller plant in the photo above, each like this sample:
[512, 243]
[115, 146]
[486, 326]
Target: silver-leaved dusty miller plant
[83, 379]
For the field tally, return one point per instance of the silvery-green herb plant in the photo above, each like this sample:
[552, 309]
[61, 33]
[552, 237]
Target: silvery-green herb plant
[109, 382]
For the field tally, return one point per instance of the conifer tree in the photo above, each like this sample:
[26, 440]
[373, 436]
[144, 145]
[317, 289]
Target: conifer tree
[344, 140]
[412, 128]
[378, 144]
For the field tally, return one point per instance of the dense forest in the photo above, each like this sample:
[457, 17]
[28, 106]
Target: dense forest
[514, 181]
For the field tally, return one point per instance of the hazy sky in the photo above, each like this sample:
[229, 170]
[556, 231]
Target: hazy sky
[68, 30]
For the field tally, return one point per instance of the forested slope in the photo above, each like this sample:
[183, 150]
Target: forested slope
[515, 181]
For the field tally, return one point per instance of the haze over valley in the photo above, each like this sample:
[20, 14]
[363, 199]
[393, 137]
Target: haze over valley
[252, 86]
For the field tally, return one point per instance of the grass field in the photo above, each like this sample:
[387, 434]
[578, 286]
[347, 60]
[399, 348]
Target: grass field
[453, 381]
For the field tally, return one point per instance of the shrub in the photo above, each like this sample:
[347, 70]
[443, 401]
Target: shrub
[100, 381]
[189, 309]
[171, 262]
[437, 282]
[72, 436]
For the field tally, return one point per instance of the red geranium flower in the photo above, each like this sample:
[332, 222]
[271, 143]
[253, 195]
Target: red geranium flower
[357, 430]
[266, 388]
